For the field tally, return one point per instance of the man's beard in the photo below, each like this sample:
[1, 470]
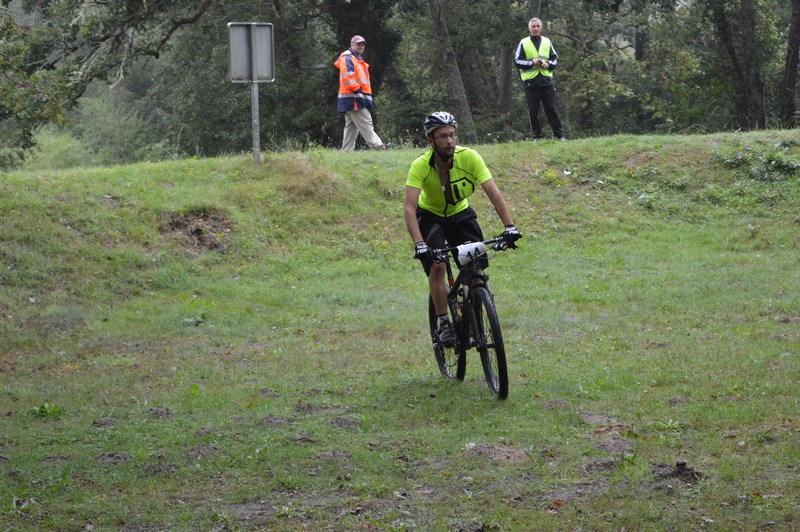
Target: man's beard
[444, 156]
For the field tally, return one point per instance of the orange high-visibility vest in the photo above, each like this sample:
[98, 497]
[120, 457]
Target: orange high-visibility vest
[355, 88]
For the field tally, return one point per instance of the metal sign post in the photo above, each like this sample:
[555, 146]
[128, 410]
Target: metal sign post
[252, 61]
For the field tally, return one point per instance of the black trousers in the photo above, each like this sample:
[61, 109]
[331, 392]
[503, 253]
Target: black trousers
[439, 232]
[545, 95]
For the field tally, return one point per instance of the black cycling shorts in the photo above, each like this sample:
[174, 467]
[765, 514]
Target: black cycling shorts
[440, 232]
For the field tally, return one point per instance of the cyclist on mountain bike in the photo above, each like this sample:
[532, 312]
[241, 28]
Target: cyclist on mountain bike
[436, 210]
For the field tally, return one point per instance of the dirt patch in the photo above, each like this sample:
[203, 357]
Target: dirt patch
[345, 422]
[104, 422]
[161, 468]
[556, 403]
[7, 365]
[496, 452]
[335, 455]
[615, 445]
[638, 159]
[159, 412]
[680, 471]
[112, 458]
[595, 419]
[556, 500]
[650, 344]
[304, 437]
[200, 230]
[310, 408]
[201, 452]
[287, 502]
[53, 459]
[603, 464]
[274, 421]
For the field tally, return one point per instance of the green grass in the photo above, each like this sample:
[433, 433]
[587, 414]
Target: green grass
[209, 344]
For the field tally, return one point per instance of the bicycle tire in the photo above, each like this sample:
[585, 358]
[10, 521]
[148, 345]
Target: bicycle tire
[489, 341]
[452, 361]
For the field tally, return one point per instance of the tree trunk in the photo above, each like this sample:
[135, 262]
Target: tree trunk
[751, 60]
[505, 82]
[450, 66]
[641, 35]
[788, 89]
[745, 75]
[540, 12]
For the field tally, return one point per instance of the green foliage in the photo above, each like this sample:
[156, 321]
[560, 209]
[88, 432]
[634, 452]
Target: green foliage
[764, 163]
[28, 97]
[57, 149]
[636, 67]
[46, 410]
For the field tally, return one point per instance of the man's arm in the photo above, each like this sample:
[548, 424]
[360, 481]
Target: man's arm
[552, 61]
[410, 213]
[520, 60]
[499, 202]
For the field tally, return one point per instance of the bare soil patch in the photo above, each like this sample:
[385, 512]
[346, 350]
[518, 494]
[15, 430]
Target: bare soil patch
[595, 419]
[104, 422]
[556, 403]
[201, 452]
[112, 458]
[497, 452]
[160, 468]
[274, 421]
[159, 412]
[200, 230]
[311, 408]
[615, 445]
[345, 422]
[680, 471]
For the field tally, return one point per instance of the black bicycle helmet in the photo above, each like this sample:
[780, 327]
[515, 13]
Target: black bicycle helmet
[437, 120]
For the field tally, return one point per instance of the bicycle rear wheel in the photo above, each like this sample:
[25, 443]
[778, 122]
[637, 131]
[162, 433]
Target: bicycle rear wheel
[452, 361]
[489, 341]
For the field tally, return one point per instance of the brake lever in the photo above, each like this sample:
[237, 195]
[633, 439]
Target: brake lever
[502, 245]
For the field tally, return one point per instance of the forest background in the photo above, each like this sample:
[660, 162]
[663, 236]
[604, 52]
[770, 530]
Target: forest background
[127, 81]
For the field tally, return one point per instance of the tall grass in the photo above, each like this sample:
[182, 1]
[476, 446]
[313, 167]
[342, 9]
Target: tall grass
[205, 344]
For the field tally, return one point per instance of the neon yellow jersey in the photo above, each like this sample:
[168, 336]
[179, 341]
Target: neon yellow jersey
[467, 173]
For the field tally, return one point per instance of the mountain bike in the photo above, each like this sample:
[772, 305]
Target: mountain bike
[473, 315]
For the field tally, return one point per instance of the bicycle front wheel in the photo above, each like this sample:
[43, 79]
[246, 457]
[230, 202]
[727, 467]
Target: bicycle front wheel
[452, 361]
[489, 342]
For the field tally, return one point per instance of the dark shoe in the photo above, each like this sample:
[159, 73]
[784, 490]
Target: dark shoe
[387, 146]
[447, 335]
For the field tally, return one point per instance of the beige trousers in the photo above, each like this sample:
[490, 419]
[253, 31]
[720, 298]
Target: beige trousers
[356, 122]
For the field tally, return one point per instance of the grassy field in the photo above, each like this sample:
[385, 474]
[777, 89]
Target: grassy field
[215, 344]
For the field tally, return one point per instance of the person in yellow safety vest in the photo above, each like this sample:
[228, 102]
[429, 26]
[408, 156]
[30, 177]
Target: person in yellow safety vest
[355, 96]
[536, 59]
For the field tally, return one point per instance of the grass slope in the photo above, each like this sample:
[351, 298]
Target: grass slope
[212, 344]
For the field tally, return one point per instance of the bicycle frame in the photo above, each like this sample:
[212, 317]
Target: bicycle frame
[467, 276]
[471, 306]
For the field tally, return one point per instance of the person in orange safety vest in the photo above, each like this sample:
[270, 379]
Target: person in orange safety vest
[355, 97]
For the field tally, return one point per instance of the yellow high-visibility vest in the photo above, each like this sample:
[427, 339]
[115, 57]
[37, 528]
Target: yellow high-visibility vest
[531, 52]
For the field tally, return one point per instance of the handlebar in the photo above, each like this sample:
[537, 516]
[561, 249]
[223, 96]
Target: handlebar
[497, 243]
[469, 251]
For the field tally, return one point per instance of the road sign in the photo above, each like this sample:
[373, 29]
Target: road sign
[251, 60]
[251, 52]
